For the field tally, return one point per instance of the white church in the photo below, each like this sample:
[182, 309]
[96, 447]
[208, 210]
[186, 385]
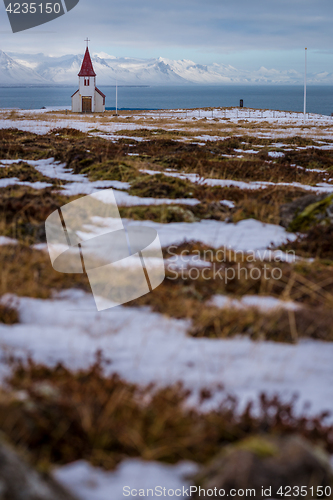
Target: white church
[88, 98]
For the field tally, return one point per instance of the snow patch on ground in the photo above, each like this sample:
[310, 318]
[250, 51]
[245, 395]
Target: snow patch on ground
[250, 151]
[91, 483]
[145, 347]
[195, 178]
[179, 262]
[14, 181]
[228, 203]
[290, 123]
[80, 184]
[275, 154]
[247, 235]
[4, 240]
[56, 170]
[263, 303]
[122, 198]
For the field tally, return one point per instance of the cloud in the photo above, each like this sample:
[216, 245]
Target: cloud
[215, 23]
[183, 26]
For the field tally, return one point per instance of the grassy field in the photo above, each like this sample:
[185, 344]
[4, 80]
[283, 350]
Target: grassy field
[232, 170]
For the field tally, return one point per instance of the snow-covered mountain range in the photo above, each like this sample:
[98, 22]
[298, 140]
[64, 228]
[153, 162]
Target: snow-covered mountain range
[39, 69]
[12, 72]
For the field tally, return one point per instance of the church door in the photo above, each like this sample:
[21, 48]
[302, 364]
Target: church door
[86, 104]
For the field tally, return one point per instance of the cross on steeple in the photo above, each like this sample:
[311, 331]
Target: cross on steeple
[87, 40]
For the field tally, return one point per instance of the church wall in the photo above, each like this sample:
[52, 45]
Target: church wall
[99, 106]
[87, 90]
[76, 103]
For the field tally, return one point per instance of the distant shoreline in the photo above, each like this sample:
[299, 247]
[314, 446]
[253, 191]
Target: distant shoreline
[62, 85]
[146, 97]
[170, 85]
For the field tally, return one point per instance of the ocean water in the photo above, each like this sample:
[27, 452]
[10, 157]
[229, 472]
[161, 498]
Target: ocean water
[279, 97]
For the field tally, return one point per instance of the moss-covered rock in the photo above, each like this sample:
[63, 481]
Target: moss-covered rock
[269, 462]
[161, 186]
[111, 170]
[307, 212]
[159, 213]
[18, 480]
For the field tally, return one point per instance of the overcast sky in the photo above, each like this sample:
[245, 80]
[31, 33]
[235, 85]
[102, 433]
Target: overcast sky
[245, 33]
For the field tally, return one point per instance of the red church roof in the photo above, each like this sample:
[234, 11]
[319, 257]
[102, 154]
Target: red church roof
[100, 92]
[87, 67]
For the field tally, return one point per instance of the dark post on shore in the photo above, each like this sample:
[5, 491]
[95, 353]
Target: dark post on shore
[241, 103]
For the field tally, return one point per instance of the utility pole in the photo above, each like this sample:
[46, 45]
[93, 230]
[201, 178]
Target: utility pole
[305, 85]
[117, 95]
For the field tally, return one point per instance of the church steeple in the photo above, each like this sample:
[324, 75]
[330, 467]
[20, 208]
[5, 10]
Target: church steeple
[87, 68]
[88, 98]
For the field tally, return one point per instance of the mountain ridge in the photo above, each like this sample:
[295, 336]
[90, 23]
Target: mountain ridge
[23, 69]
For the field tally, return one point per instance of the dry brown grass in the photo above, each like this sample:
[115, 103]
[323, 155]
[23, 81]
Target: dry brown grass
[161, 186]
[80, 151]
[279, 326]
[68, 416]
[28, 272]
[316, 243]
[26, 173]
[23, 211]
[263, 204]
[304, 282]
[208, 162]
[60, 416]
[172, 213]
[100, 159]
[310, 285]
[8, 313]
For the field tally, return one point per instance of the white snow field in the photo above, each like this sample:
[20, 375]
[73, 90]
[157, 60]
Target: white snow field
[279, 124]
[131, 476]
